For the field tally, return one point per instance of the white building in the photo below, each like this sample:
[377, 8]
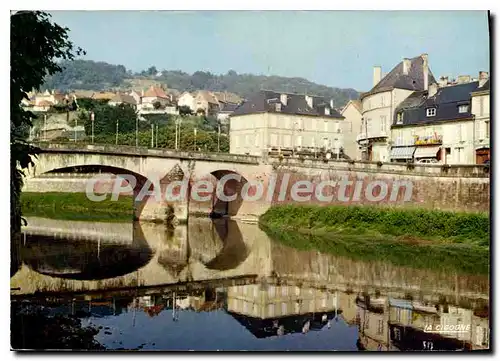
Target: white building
[438, 125]
[380, 102]
[188, 100]
[272, 122]
[351, 127]
[480, 103]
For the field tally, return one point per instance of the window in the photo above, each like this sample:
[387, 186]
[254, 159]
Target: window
[463, 108]
[459, 128]
[270, 309]
[274, 140]
[325, 126]
[487, 129]
[288, 141]
[236, 141]
[278, 107]
[256, 140]
[337, 127]
[397, 334]
[313, 124]
[399, 118]
[298, 141]
[273, 122]
[382, 101]
[380, 327]
[382, 123]
[431, 112]
[481, 105]
[327, 111]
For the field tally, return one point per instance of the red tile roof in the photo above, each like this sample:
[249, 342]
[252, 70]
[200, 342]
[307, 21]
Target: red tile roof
[156, 92]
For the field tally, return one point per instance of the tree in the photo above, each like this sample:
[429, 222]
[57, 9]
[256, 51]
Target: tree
[184, 110]
[106, 116]
[152, 70]
[157, 105]
[36, 46]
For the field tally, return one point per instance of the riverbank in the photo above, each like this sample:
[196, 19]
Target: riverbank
[416, 238]
[76, 206]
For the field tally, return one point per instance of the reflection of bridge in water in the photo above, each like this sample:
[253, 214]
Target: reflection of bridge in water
[269, 288]
[67, 256]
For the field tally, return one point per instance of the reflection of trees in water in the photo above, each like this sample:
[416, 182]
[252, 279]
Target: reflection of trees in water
[332, 269]
[32, 328]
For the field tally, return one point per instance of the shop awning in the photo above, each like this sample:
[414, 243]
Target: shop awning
[427, 152]
[402, 152]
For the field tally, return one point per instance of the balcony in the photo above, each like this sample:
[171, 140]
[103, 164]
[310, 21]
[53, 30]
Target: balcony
[371, 135]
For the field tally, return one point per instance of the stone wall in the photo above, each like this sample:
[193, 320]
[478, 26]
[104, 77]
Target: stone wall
[438, 190]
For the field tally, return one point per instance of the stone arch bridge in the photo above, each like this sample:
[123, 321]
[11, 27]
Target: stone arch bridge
[158, 168]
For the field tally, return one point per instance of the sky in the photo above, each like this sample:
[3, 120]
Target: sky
[334, 48]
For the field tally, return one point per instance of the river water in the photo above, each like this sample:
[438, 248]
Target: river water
[226, 285]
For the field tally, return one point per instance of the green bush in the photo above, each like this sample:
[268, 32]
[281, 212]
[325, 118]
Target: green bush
[427, 224]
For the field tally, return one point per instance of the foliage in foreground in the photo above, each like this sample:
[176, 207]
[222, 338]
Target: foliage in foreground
[36, 45]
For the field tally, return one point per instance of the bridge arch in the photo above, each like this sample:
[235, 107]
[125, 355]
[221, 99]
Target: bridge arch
[106, 186]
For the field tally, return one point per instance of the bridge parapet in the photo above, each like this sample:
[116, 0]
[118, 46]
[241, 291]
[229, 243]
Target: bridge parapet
[442, 170]
[146, 152]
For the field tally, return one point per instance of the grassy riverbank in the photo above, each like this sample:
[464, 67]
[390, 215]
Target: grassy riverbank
[76, 206]
[415, 238]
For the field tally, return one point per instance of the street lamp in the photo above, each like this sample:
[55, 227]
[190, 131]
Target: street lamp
[45, 127]
[92, 118]
[156, 135]
[195, 131]
[116, 141]
[218, 136]
[137, 131]
[178, 122]
[152, 135]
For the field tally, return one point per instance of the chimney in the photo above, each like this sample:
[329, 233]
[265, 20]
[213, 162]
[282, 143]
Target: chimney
[462, 79]
[284, 99]
[443, 81]
[483, 77]
[406, 66]
[331, 103]
[425, 70]
[433, 88]
[377, 75]
[309, 101]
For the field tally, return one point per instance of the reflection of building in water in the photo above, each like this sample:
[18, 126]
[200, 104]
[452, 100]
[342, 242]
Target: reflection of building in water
[190, 302]
[268, 301]
[398, 324]
[372, 320]
[270, 310]
[457, 317]
[416, 326]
